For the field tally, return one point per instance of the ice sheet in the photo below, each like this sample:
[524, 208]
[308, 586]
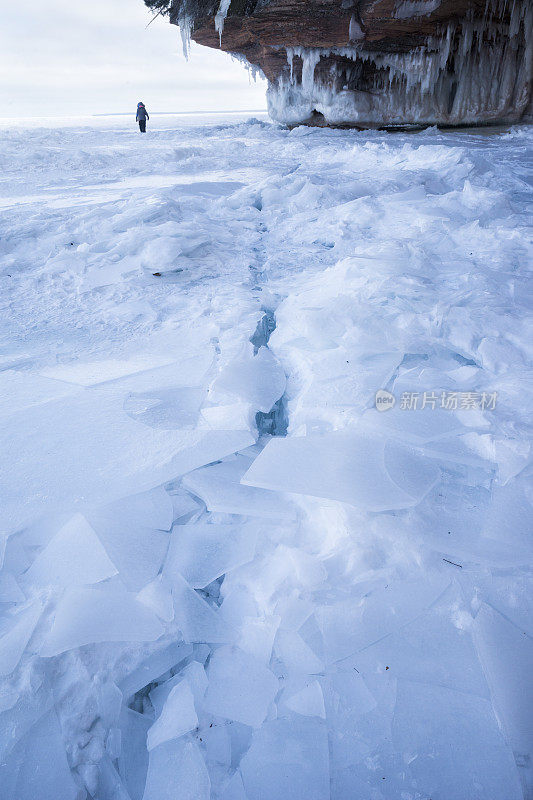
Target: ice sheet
[256, 379]
[220, 488]
[177, 771]
[433, 648]
[21, 389]
[133, 758]
[287, 759]
[92, 373]
[87, 450]
[153, 667]
[452, 738]
[74, 556]
[240, 687]
[202, 552]
[197, 620]
[371, 474]
[151, 509]
[106, 613]
[10, 591]
[177, 717]
[173, 408]
[257, 636]
[157, 596]
[193, 674]
[296, 655]
[506, 653]
[234, 789]
[309, 701]
[16, 633]
[137, 552]
[44, 771]
[353, 625]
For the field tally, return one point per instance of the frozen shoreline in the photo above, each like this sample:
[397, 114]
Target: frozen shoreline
[341, 610]
[123, 121]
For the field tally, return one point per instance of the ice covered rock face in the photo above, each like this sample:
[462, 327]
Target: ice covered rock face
[376, 62]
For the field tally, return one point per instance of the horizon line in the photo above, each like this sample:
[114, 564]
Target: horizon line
[130, 113]
[183, 113]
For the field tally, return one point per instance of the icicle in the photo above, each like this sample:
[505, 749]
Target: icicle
[185, 26]
[290, 61]
[220, 17]
[253, 70]
[515, 21]
[355, 31]
[310, 59]
[416, 8]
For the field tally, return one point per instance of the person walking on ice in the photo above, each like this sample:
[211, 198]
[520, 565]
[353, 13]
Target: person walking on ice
[142, 116]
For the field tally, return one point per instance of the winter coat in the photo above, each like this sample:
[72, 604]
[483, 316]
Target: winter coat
[142, 113]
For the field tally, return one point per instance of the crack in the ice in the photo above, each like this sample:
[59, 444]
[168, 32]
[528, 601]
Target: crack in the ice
[274, 422]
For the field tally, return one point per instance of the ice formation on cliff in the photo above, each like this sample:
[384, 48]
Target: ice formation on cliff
[221, 16]
[419, 62]
[476, 71]
[415, 8]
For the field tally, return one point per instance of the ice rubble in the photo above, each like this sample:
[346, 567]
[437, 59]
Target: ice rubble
[475, 71]
[193, 607]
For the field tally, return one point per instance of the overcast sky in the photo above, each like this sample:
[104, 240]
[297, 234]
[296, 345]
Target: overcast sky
[70, 57]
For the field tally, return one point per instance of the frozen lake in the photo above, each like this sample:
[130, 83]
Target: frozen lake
[265, 461]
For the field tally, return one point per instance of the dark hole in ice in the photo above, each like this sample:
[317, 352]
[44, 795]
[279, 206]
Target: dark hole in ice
[274, 422]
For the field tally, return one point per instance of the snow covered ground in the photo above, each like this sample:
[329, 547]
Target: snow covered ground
[229, 571]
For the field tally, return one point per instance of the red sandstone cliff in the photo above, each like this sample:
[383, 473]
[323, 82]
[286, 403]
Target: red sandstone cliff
[378, 62]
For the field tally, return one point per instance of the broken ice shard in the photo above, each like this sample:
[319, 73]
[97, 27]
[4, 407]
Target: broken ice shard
[177, 771]
[457, 743]
[374, 475]
[240, 688]
[203, 552]
[220, 488]
[291, 758]
[309, 701]
[74, 556]
[177, 717]
[100, 613]
[114, 456]
[44, 771]
[16, 633]
[257, 379]
[197, 620]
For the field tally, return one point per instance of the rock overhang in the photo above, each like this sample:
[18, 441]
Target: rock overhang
[376, 63]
